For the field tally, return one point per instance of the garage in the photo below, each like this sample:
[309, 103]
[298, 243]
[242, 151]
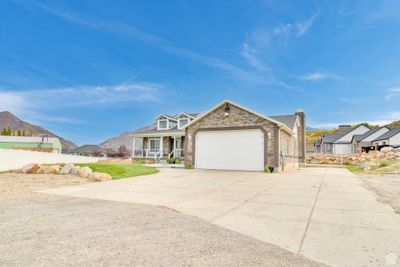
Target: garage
[230, 150]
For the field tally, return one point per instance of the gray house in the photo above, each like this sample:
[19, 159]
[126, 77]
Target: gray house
[390, 138]
[227, 137]
[341, 142]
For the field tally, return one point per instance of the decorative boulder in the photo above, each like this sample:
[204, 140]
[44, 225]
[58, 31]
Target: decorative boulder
[67, 168]
[386, 149]
[49, 169]
[30, 168]
[75, 170]
[99, 176]
[85, 172]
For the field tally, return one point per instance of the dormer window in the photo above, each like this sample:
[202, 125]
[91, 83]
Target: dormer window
[183, 122]
[162, 124]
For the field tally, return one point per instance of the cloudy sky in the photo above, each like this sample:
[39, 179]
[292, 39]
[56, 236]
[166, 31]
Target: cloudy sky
[89, 70]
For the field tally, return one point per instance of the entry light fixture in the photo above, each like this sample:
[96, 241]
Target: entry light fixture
[226, 110]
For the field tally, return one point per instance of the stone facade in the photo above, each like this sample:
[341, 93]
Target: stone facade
[237, 119]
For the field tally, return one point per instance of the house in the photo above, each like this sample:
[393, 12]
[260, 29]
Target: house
[32, 143]
[89, 151]
[341, 141]
[363, 142]
[226, 137]
[390, 138]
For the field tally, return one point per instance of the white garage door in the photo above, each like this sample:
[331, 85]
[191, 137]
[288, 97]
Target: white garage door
[230, 150]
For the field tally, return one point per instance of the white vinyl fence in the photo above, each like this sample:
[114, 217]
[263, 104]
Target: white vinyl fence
[15, 159]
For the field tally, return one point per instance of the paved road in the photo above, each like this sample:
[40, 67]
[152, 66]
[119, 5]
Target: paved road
[324, 214]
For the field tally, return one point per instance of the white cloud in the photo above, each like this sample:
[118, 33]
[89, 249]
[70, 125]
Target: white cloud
[37, 105]
[303, 27]
[392, 93]
[252, 57]
[161, 43]
[298, 28]
[318, 76]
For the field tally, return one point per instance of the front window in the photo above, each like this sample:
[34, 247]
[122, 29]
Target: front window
[183, 122]
[154, 145]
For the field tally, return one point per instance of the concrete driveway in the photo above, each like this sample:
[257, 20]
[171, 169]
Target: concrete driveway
[324, 214]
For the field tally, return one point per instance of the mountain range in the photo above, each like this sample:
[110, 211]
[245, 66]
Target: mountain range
[7, 119]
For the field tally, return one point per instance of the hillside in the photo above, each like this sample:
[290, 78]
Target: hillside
[7, 119]
[125, 139]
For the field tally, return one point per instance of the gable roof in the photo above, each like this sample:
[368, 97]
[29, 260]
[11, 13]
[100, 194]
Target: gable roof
[331, 138]
[360, 137]
[202, 115]
[166, 116]
[389, 134]
[288, 120]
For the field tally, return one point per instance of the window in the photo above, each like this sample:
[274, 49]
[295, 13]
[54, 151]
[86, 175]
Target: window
[183, 122]
[162, 124]
[154, 145]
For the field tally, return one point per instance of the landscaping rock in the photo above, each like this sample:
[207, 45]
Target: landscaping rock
[49, 169]
[99, 176]
[75, 170]
[66, 169]
[85, 172]
[30, 168]
[386, 149]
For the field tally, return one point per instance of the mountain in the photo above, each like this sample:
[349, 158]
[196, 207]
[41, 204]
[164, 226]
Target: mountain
[7, 119]
[125, 139]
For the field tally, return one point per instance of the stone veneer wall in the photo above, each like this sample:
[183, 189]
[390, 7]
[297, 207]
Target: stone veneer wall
[290, 151]
[237, 119]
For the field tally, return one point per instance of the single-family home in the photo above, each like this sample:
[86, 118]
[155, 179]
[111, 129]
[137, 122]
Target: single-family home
[363, 142]
[390, 138]
[341, 141]
[89, 151]
[227, 137]
[32, 143]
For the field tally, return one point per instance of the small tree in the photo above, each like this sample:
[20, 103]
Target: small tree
[123, 152]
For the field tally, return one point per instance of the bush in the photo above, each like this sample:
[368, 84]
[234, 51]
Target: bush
[177, 161]
[171, 161]
[268, 169]
[189, 166]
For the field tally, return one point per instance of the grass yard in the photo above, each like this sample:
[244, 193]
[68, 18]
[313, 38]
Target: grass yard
[380, 167]
[122, 170]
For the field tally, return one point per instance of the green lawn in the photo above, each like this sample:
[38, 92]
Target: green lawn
[354, 168]
[118, 171]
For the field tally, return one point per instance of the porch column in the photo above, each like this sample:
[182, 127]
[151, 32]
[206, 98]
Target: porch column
[133, 146]
[174, 146]
[161, 146]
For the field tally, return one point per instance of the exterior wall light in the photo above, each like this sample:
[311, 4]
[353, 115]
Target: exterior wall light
[226, 110]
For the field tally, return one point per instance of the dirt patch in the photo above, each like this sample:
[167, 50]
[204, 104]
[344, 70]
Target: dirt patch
[19, 185]
[387, 187]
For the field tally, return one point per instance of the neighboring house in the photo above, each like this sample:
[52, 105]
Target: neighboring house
[341, 141]
[89, 151]
[363, 142]
[227, 137]
[390, 138]
[32, 143]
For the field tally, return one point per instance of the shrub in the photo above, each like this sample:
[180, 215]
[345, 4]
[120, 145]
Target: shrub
[268, 169]
[171, 161]
[177, 161]
[188, 166]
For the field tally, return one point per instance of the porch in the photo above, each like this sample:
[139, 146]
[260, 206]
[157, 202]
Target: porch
[159, 147]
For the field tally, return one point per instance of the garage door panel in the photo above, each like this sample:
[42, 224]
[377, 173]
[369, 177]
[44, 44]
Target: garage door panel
[230, 150]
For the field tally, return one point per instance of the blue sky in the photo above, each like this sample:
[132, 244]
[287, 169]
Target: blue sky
[89, 70]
